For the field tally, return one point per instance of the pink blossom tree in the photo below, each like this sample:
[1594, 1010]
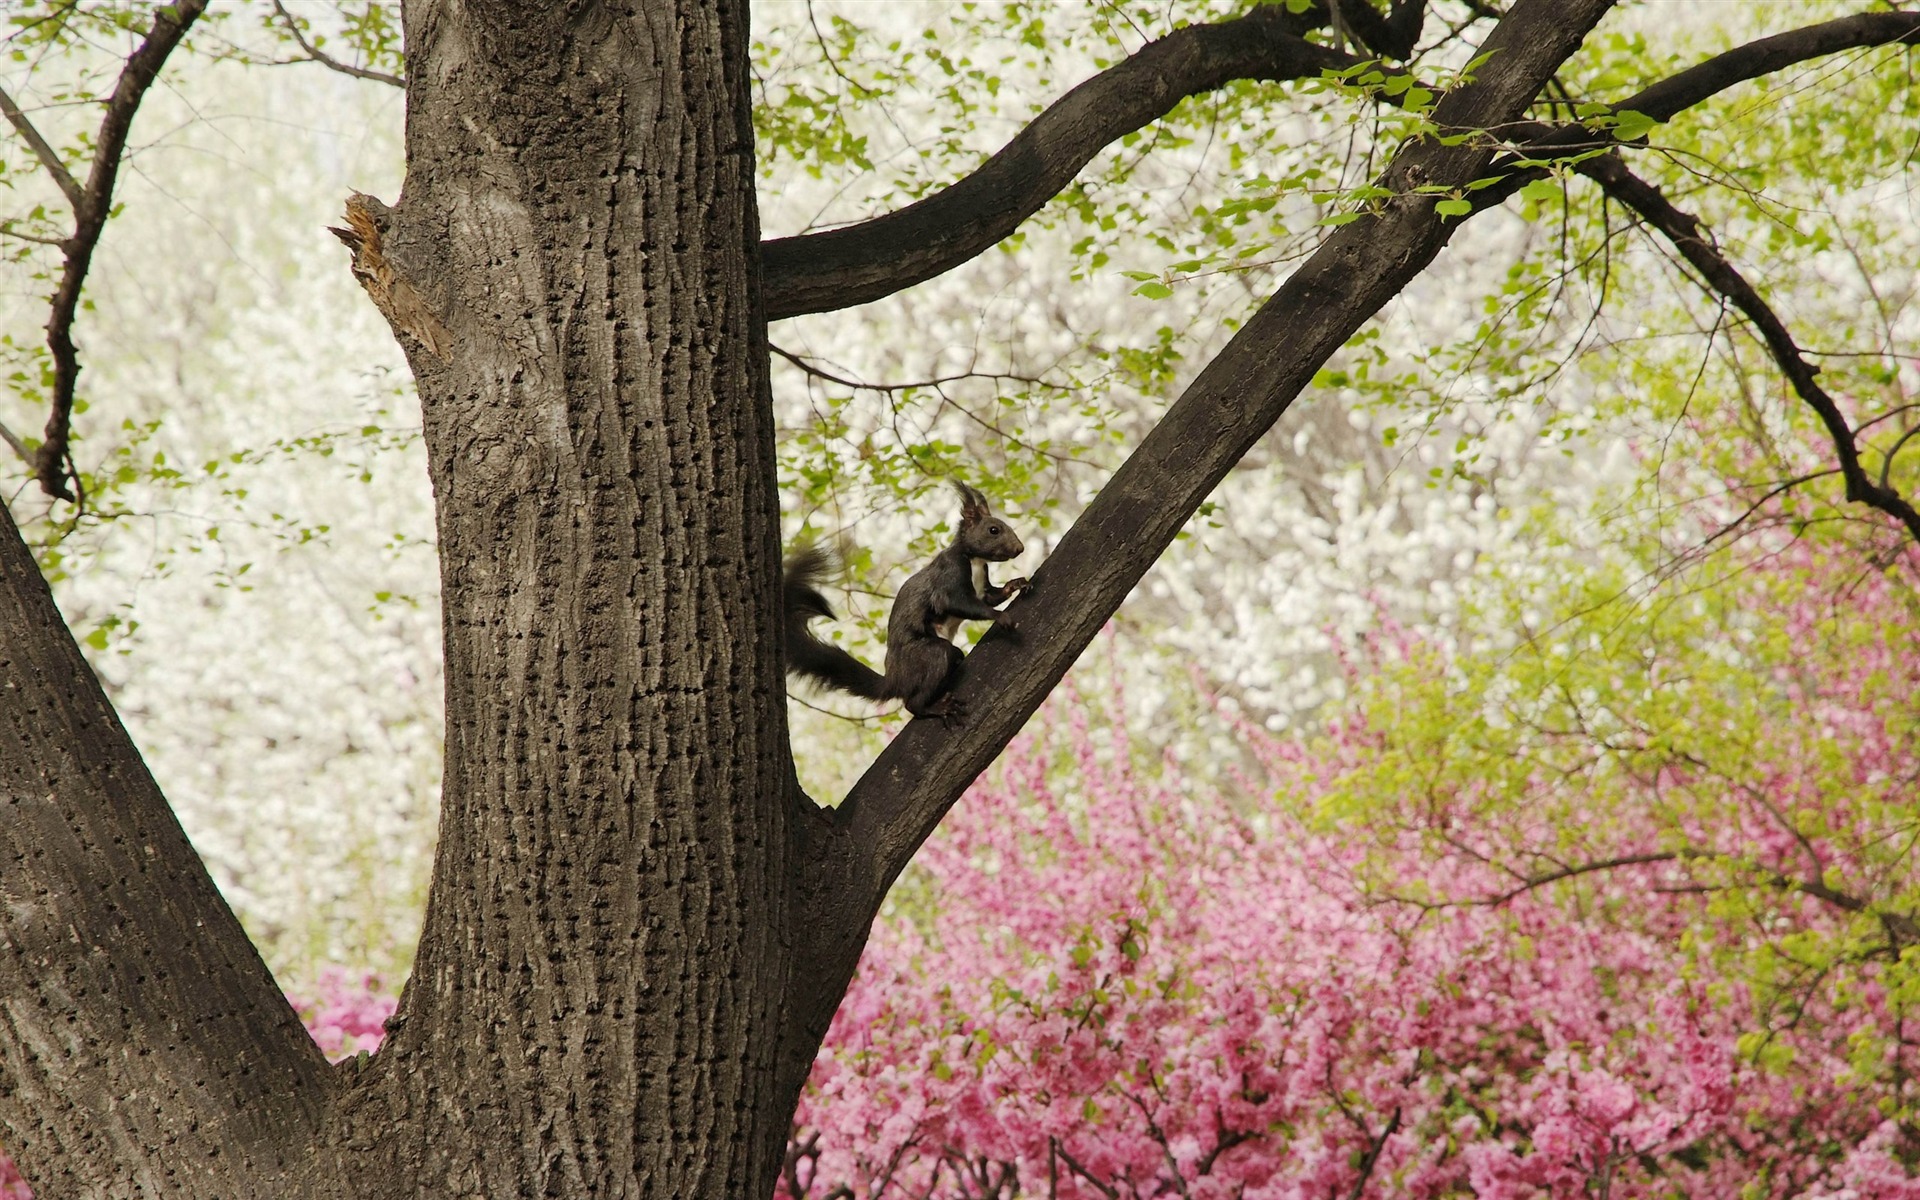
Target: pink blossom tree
[1487, 937]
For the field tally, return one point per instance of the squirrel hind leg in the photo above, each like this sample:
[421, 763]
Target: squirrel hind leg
[950, 711]
[935, 668]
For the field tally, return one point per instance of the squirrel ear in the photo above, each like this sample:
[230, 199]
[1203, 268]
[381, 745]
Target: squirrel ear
[973, 506]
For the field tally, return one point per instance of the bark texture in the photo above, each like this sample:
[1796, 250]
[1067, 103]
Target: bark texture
[144, 1050]
[605, 950]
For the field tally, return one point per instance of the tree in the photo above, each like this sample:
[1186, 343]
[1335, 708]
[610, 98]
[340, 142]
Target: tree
[639, 925]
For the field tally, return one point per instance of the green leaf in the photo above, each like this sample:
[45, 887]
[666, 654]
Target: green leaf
[1540, 191]
[1633, 126]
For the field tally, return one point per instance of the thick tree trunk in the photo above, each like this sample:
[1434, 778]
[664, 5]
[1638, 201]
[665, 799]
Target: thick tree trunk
[597, 1003]
[143, 1048]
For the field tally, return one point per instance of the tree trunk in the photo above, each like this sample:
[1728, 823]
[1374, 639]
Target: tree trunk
[599, 992]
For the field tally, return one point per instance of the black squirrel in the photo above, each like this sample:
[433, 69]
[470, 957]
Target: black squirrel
[922, 661]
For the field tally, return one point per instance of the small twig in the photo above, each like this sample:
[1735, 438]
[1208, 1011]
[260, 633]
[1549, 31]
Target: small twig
[810, 1149]
[1886, 464]
[315, 54]
[1105, 1189]
[826, 55]
[1606, 1171]
[918, 384]
[1373, 1155]
[42, 150]
[1777, 490]
[7, 230]
[13, 439]
[1534, 882]
[1224, 1139]
[1160, 1138]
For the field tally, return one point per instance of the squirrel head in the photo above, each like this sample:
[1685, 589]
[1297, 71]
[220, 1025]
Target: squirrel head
[983, 535]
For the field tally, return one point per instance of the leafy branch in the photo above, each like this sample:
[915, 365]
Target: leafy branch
[92, 204]
[1720, 277]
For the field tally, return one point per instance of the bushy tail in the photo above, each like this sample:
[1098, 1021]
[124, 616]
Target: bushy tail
[808, 655]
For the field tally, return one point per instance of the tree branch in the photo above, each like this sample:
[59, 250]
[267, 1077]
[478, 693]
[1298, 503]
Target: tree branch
[145, 1045]
[14, 441]
[839, 268]
[1543, 878]
[1675, 94]
[1723, 279]
[53, 466]
[1902, 930]
[42, 150]
[1233, 402]
[1372, 1157]
[1394, 34]
[315, 54]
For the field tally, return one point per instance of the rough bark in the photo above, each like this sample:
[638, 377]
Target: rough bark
[144, 1050]
[606, 950]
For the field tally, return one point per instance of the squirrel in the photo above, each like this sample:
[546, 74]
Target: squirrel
[923, 664]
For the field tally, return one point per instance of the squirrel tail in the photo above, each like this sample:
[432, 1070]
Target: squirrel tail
[807, 655]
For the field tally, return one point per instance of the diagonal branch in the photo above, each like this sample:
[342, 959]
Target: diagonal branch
[1371, 1158]
[1673, 95]
[839, 268]
[16, 444]
[1902, 930]
[821, 272]
[53, 466]
[1232, 403]
[1541, 879]
[1536, 141]
[42, 150]
[1723, 279]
